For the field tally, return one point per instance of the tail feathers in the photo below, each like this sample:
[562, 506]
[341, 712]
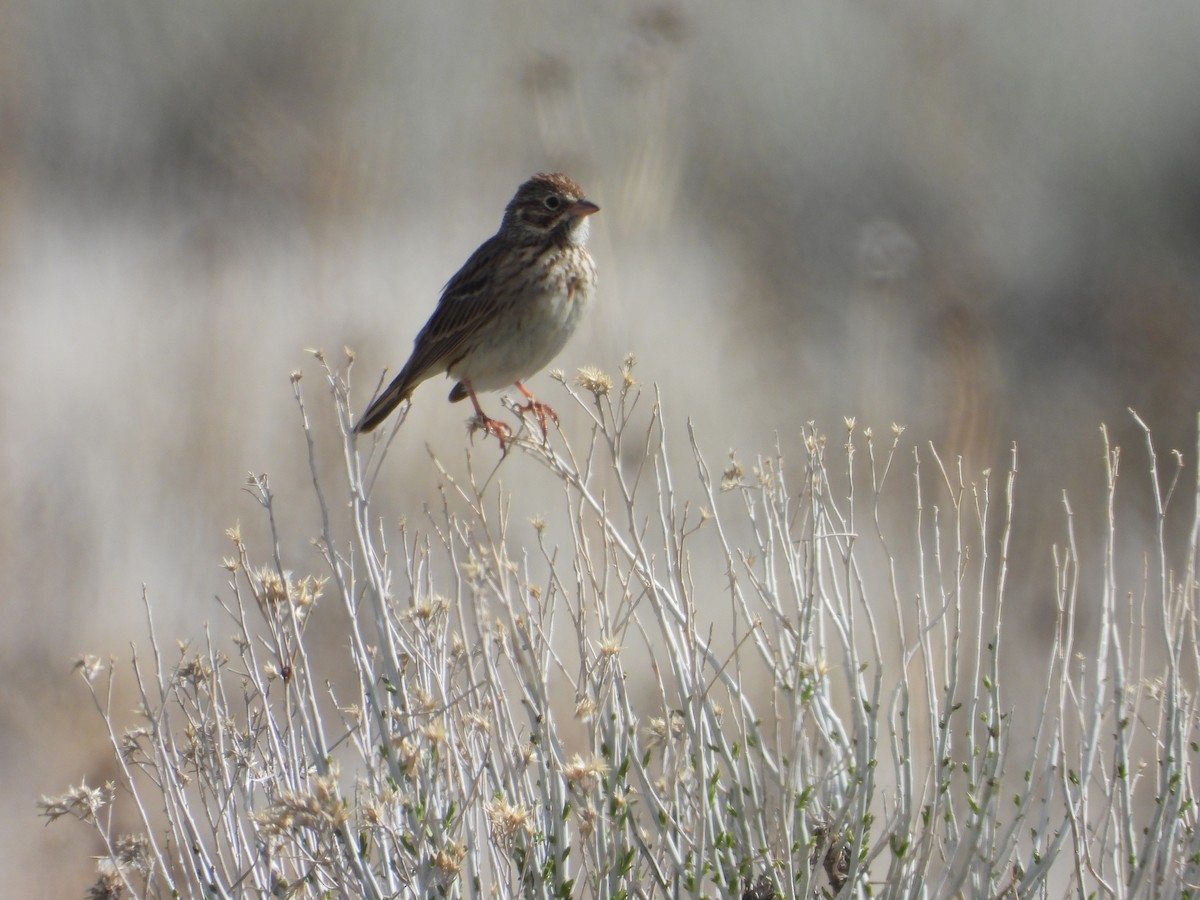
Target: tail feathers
[381, 407]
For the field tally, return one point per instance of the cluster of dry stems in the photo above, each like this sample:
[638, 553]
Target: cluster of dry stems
[772, 682]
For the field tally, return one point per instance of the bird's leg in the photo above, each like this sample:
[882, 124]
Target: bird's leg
[539, 409]
[488, 424]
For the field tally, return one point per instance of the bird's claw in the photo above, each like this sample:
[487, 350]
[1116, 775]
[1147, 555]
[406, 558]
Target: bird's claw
[542, 411]
[490, 426]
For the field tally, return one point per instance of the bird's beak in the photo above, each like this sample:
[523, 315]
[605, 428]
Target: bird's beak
[582, 208]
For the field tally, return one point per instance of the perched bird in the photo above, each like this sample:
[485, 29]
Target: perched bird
[510, 309]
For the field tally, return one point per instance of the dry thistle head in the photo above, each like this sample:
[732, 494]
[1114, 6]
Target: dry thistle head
[525, 755]
[732, 477]
[274, 590]
[584, 775]
[585, 708]
[472, 569]
[657, 732]
[817, 670]
[435, 732]
[131, 743]
[133, 852]
[196, 671]
[477, 722]
[321, 808]
[109, 883]
[88, 665]
[662, 730]
[449, 861]
[594, 381]
[83, 802]
[587, 821]
[508, 822]
[409, 755]
[432, 610]
[627, 379]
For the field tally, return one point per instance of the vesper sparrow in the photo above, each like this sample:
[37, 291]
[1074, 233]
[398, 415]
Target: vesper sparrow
[510, 310]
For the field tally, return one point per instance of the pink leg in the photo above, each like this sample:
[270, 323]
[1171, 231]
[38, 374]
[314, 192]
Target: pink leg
[488, 424]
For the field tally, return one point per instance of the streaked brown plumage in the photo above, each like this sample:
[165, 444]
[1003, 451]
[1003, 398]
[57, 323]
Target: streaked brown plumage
[510, 309]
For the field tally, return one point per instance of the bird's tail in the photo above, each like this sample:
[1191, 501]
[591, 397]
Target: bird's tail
[381, 407]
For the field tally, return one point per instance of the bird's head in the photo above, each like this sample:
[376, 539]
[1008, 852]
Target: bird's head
[550, 206]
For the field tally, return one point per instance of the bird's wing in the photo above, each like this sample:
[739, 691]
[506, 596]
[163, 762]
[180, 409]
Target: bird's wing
[465, 308]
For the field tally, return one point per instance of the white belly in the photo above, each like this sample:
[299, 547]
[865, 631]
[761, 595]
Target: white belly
[538, 330]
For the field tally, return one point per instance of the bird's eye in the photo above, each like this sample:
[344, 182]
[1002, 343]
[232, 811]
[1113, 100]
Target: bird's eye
[552, 202]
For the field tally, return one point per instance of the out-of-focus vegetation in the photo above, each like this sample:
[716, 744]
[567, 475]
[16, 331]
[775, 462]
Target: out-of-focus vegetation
[977, 220]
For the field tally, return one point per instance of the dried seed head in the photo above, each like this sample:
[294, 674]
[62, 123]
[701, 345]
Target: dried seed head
[594, 381]
[584, 775]
[508, 822]
[585, 708]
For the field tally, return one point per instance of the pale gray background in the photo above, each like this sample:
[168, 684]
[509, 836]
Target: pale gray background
[981, 220]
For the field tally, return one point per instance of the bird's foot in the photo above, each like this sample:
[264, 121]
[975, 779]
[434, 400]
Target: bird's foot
[490, 426]
[542, 411]
[539, 409]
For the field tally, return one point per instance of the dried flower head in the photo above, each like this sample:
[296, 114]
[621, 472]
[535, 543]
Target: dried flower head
[587, 821]
[627, 379]
[274, 591]
[132, 851]
[477, 722]
[83, 802]
[585, 708]
[509, 822]
[409, 755]
[449, 861]
[131, 743]
[733, 476]
[433, 609]
[109, 884]
[584, 775]
[594, 381]
[320, 808]
[88, 665]
[435, 732]
[196, 671]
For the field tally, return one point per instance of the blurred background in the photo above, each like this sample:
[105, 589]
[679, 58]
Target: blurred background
[981, 221]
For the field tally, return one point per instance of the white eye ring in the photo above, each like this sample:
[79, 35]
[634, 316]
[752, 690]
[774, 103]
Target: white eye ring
[552, 202]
